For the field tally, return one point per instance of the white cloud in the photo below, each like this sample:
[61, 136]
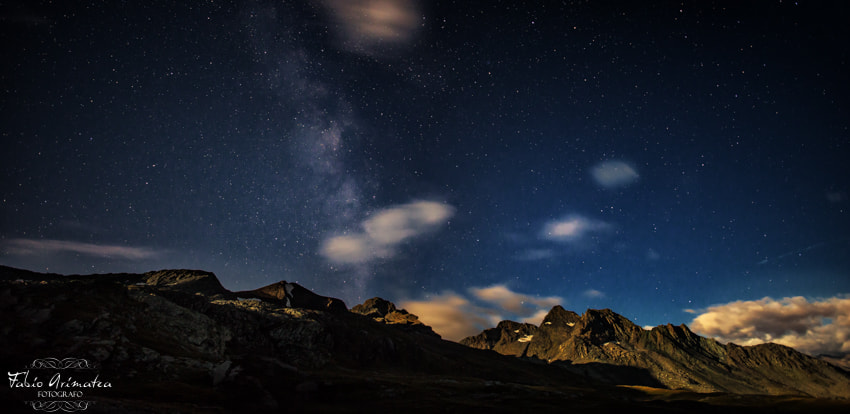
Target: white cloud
[517, 303]
[816, 327]
[369, 26]
[27, 247]
[455, 316]
[572, 228]
[386, 229]
[593, 294]
[612, 174]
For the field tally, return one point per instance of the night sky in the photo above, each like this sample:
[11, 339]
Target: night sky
[682, 162]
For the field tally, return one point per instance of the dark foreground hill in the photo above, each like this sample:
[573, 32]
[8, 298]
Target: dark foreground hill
[177, 341]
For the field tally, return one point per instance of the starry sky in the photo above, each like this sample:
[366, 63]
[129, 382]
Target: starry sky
[681, 162]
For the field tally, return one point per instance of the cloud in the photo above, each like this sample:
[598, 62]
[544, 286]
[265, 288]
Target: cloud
[386, 229]
[27, 247]
[517, 303]
[593, 294]
[816, 327]
[572, 228]
[370, 26]
[535, 254]
[450, 315]
[611, 174]
[455, 316]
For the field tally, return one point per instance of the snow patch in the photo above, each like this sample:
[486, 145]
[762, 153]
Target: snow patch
[548, 323]
[526, 338]
[571, 324]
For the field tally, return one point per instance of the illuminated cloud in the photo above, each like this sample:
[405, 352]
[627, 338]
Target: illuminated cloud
[612, 174]
[593, 294]
[817, 327]
[369, 26]
[28, 247]
[385, 230]
[455, 316]
[450, 315]
[572, 228]
[517, 303]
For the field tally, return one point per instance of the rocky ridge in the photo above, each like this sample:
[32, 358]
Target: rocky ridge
[384, 311]
[605, 345]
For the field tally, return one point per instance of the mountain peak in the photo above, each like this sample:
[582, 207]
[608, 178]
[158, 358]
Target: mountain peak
[604, 325]
[293, 295]
[384, 311]
[558, 317]
[377, 307]
[507, 338]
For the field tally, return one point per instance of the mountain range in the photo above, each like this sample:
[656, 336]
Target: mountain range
[178, 341]
[665, 356]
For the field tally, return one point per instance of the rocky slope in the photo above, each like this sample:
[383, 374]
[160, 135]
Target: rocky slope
[607, 346]
[177, 341]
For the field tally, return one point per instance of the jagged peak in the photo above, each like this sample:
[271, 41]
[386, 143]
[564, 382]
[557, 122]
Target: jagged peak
[384, 311]
[608, 316]
[377, 307]
[559, 317]
[605, 325]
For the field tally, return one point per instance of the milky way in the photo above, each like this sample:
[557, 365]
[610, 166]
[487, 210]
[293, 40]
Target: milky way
[472, 161]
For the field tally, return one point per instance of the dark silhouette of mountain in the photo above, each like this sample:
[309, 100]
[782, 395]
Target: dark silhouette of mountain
[674, 356]
[293, 295]
[177, 341]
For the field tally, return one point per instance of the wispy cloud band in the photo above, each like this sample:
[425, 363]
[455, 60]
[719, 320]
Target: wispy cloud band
[28, 247]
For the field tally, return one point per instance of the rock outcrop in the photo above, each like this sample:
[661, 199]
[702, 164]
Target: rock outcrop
[384, 311]
[507, 338]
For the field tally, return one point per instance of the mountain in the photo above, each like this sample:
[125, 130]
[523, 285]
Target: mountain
[384, 311]
[607, 346]
[177, 341]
